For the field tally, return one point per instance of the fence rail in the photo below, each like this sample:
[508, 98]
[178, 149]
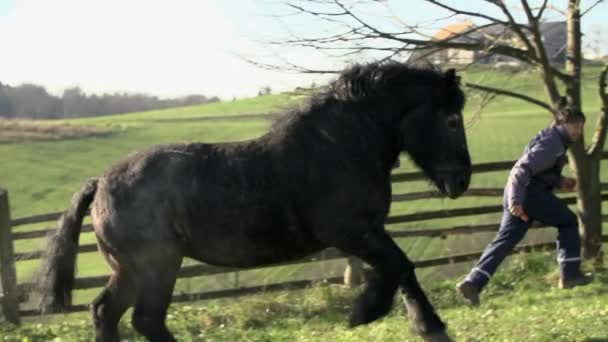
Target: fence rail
[15, 293]
[299, 284]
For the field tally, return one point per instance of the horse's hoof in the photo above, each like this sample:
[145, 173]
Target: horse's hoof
[438, 337]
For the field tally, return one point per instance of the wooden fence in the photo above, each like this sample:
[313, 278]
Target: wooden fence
[15, 293]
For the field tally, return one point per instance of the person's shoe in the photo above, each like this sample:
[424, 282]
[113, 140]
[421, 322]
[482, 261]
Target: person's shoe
[469, 292]
[580, 280]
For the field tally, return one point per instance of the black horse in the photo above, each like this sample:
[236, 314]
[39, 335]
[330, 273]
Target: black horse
[319, 178]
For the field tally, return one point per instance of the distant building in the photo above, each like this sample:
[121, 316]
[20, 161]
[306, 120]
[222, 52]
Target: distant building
[553, 36]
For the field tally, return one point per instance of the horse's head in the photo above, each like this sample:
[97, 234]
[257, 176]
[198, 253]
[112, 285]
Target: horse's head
[421, 110]
[432, 132]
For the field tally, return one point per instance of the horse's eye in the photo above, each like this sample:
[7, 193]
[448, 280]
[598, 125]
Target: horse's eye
[453, 121]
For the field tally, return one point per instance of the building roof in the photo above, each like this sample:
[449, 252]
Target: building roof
[453, 29]
[553, 35]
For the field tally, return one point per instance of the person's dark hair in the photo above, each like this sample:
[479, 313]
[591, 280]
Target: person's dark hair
[568, 114]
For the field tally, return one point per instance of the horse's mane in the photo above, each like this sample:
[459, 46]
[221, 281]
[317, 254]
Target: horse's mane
[359, 82]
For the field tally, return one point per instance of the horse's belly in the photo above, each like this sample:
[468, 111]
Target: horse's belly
[248, 242]
[243, 252]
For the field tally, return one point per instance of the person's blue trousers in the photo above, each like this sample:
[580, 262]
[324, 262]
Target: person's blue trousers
[540, 205]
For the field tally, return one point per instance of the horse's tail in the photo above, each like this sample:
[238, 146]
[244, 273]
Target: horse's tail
[56, 277]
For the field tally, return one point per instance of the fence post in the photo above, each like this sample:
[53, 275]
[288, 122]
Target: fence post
[353, 274]
[10, 302]
[237, 281]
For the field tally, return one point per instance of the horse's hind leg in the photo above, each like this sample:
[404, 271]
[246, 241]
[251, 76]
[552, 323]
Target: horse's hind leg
[109, 306]
[392, 269]
[154, 292]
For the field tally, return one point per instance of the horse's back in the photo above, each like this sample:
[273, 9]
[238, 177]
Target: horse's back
[219, 203]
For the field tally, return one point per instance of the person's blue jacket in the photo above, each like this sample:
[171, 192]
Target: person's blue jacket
[540, 165]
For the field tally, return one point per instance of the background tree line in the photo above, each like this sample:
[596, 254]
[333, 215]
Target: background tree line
[30, 101]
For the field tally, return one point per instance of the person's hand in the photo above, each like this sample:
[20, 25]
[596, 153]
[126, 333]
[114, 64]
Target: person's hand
[567, 184]
[518, 210]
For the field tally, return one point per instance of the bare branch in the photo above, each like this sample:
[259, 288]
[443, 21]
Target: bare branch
[303, 10]
[390, 57]
[287, 67]
[325, 16]
[541, 10]
[599, 137]
[486, 98]
[489, 47]
[363, 23]
[352, 35]
[360, 35]
[370, 33]
[562, 76]
[591, 7]
[472, 14]
[509, 93]
[514, 25]
[341, 37]
[415, 44]
[545, 65]
[574, 57]
[374, 33]
[556, 9]
[499, 49]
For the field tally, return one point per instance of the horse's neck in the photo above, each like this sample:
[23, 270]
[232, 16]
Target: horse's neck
[384, 129]
[359, 133]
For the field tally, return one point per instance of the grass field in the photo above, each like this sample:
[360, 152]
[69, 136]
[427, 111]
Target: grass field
[520, 304]
[41, 174]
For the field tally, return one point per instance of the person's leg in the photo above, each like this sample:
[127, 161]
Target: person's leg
[549, 209]
[512, 230]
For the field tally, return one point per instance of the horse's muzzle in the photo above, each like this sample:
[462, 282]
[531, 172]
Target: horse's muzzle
[454, 182]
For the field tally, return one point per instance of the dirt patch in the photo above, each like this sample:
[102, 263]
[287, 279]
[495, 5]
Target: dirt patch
[28, 130]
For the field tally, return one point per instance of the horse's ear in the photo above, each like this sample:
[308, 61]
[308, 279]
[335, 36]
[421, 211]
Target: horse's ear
[451, 78]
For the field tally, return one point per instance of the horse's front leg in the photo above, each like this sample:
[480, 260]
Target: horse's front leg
[392, 269]
[425, 320]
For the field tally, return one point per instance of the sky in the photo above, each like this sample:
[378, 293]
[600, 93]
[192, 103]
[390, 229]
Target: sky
[173, 48]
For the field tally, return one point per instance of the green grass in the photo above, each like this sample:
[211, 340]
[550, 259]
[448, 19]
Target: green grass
[522, 303]
[41, 176]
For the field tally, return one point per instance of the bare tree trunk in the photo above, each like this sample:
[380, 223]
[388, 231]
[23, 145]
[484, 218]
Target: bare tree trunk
[587, 171]
[586, 167]
[574, 57]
